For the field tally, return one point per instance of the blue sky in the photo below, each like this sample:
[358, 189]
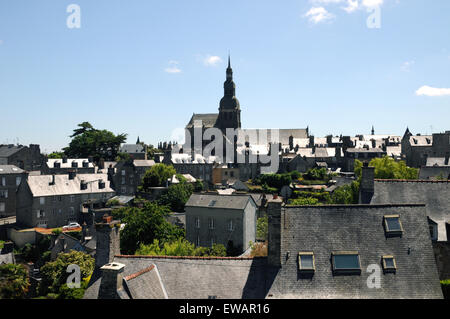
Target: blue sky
[141, 66]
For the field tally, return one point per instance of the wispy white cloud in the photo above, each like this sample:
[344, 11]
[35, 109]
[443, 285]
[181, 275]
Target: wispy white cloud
[372, 3]
[212, 60]
[349, 5]
[431, 91]
[352, 5]
[319, 14]
[406, 66]
[173, 67]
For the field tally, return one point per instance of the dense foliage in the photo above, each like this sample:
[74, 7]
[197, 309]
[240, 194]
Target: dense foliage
[88, 141]
[14, 281]
[157, 176]
[176, 196]
[387, 168]
[54, 274]
[144, 225]
[262, 228]
[180, 247]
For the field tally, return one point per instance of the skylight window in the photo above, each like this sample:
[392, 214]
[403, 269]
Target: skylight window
[212, 203]
[393, 225]
[346, 262]
[389, 264]
[306, 261]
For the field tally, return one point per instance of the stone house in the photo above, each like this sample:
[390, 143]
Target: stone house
[136, 151]
[10, 178]
[229, 220]
[128, 175]
[50, 201]
[24, 157]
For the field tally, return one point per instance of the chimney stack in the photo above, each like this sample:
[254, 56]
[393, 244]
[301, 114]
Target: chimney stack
[274, 231]
[111, 281]
[367, 186]
[64, 159]
[72, 175]
[108, 241]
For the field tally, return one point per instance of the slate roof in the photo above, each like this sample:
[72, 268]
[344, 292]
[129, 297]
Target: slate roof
[324, 229]
[194, 277]
[51, 162]
[432, 172]
[421, 140]
[8, 150]
[208, 119]
[435, 194]
[143, 163]
[131, 148]
[145, 284]
[221, 201]
[10, 169]
[364, 150]
[437, 161]
[39, 185]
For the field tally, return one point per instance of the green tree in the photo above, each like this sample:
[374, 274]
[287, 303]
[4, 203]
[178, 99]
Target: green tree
[88, 141]
[180, 247]
[55, 155]
[144, 225]
[14, 282]
[54, 274]
[176, 196]
[157, 176]
[387, 168]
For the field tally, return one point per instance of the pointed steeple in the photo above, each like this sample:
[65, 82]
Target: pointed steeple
[373, 130]
[138, 141]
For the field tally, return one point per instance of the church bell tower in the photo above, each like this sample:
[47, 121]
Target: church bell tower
[229, 109]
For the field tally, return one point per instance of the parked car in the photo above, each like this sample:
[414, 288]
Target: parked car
[71, 226]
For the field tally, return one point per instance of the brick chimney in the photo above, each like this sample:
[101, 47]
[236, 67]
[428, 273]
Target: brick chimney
[367, 187]
[274, 232]
[111, 280]
[108, 241]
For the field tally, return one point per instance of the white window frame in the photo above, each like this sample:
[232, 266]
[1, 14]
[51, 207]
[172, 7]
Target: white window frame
[306, 253]
[230, 225]
[211, 223]
[3, 193]
[197, 222]
[3, 181]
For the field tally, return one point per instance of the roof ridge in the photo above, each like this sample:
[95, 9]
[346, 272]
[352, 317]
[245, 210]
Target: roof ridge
[412, 180]
[137, 274]
[188, 257]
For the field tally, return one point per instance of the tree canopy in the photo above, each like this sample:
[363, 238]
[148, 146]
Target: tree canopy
[180, 247]
[387, 168]
[157, 175]
[54, 274]
[14, 281]
[88, 141]
[144, 225]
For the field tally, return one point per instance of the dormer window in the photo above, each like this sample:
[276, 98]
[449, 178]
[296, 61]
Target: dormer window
[392, 225]
[346, 262]
[306, 261]
[389, 264]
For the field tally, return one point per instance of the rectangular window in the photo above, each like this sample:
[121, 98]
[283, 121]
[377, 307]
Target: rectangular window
[123, 189]
[230, 225]
[389, 264]
[392, 224]
[211, 223]
[306, 261]
[18, 180]
[2, 207]
[42, 200]
[72, 198]
[123, 172]
[3, 193]
[123, 180]
[3, 181]
[346, 262]
[197, 222]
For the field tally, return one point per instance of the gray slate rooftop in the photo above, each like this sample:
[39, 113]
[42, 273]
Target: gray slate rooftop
[221, 201]
[10, 169]
[435, 194]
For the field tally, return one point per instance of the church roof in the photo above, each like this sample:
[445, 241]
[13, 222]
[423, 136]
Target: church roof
[208, 119]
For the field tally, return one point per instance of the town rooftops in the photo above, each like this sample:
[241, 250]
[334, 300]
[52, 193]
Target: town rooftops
[437, 161]
[435, 194]
[6, 150]
[219, 201]
[10, 169]
[131, 148]
[40, 185]
[358, 231]
[67, 163]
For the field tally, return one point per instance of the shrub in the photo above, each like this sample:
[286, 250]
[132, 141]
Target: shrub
[304, 201]
[262, 228]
